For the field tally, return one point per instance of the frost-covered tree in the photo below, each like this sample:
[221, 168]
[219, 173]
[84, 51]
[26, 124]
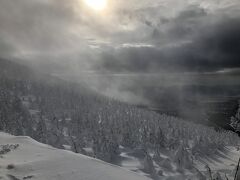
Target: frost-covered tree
[148, 165]
[182, 158]
[41, 131]
[235, 120]
[55, 135]
[217, 176]
[105, 145]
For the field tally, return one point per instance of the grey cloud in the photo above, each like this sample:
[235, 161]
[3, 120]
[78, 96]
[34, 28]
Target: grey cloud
[201, 36]
[192, 41]
[32, 24]
[5, 48]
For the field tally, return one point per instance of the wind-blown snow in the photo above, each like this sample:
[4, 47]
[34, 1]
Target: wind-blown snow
[33, 160]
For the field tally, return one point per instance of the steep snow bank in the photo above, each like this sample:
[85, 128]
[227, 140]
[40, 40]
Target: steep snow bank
[36, 161]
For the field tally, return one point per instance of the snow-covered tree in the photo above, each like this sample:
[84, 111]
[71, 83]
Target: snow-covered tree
[41, 131]
[235, 120]
[148, 165]
[182, 158]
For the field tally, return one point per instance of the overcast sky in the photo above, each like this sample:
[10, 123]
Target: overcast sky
[126, 37]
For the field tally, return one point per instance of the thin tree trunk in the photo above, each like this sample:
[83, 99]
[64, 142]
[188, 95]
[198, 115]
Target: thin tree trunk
[236, 173]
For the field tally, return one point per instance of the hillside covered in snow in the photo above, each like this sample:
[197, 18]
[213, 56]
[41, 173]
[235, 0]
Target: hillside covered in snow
[24, 158]
[68, 116]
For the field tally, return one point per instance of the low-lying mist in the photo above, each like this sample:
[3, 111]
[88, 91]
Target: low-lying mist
[209, 98]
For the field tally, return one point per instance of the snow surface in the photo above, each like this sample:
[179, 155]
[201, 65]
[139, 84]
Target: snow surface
[222, 162]
[36, 161]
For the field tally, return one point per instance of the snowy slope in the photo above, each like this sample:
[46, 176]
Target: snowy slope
[222, 163]
[36, 161]
[33, 160]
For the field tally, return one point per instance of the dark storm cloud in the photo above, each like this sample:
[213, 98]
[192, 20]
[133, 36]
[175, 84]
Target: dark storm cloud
[195, 40]
[216, 47]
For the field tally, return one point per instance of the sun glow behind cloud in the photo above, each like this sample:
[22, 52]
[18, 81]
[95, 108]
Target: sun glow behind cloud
[97, 5]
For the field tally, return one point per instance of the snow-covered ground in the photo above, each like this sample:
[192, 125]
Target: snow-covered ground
[25, 158]
[222, 164]
[36, 161]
